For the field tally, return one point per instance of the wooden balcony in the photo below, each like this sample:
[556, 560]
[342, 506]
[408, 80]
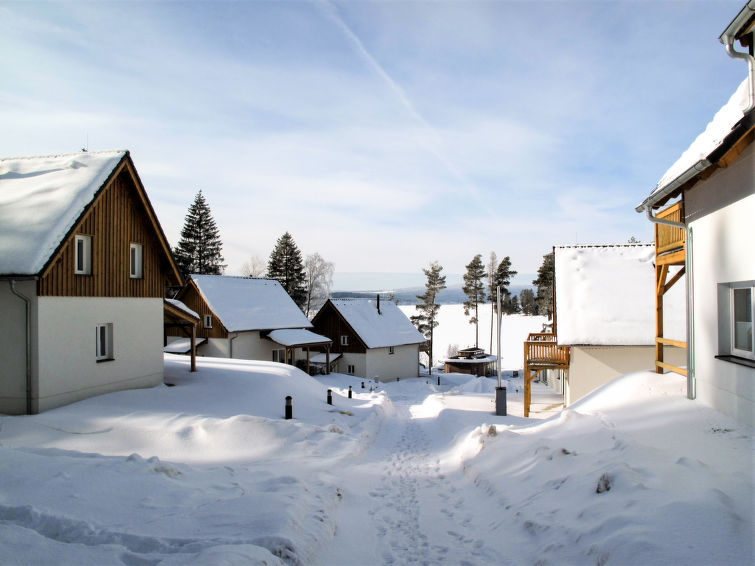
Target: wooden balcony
[541, 352]
[670, 240]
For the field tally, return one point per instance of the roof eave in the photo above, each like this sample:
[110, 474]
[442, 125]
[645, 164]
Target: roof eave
[739, 24]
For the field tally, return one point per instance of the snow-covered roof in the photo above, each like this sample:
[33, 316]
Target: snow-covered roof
[182, 345]
[40, 200]
[390, 327]
[244, 303]
[296, 337]
[484, 359]
[706, 143]
[181, 306]
[605, 296]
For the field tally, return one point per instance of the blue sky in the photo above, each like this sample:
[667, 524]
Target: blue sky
[382, 135]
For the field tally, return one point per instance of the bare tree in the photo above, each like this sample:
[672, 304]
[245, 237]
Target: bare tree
[319, 274]
[255, 267]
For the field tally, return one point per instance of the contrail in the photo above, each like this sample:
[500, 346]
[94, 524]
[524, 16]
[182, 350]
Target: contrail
[331, 12]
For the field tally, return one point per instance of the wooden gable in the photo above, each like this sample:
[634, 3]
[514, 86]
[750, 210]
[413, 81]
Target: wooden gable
[120, 214]
[329, 322]
[192, 298]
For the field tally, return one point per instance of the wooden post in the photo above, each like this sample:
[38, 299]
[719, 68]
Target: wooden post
[327, 360]
[193, 347]
[307, 360]
[660, 284]
[526, 400]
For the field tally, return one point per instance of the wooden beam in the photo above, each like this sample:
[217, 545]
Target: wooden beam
[193, 347]
[673, 280]
[669, 342]
[662, 365]
[673, 258]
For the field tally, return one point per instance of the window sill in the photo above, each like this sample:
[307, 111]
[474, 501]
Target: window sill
[737, 360]
[105, 360]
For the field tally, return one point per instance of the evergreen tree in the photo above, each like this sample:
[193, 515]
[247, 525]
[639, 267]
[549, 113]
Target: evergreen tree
[475, 291]
[527, 300]
[427, 319]
[544, 283]
[492, 266]
[199, 249]
[285, 266]
[502, 279]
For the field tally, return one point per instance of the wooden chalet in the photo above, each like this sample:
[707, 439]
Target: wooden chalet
[87, 266]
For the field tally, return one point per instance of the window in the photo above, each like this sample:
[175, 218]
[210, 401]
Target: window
[344, 340]
[82, 255]
[736, 312]
[104, 342]
[279, 355]
[136, 261]
[350, 369]
[208, 321]
[391, 350]
[741, 320]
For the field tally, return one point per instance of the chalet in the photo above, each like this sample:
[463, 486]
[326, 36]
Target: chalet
[84, 266]
[703, 209]
[372, 338]
[604, 316]
[247, 318]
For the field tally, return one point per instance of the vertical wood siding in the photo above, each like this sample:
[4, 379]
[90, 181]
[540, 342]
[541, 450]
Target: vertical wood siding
[329, 322]
[116, 219]
[192, 299]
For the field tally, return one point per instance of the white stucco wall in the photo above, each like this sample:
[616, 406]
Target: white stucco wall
[404, 362]
[359, 361]
[67, 368]
[13, 345]
[721, 213]
[593, 366]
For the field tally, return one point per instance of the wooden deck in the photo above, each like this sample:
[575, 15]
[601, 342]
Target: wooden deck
[541, 352]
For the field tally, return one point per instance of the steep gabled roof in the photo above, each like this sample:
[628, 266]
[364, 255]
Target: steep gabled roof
[43, 198]
[244, 303]
[605, 296]
[390, 327]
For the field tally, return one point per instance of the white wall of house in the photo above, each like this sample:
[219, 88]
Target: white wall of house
[593, 366]
[13, 344]
[247, 345]
[721, 214]
[359, 361]
[404, 362]
[67, 368]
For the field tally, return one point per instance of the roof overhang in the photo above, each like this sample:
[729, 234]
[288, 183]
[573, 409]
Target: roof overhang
[740, 25]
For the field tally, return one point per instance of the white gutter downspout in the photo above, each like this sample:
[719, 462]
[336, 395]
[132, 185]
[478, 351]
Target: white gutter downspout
[27, 302]
[691, 383]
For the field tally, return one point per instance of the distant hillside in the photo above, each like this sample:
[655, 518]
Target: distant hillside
[408, 296]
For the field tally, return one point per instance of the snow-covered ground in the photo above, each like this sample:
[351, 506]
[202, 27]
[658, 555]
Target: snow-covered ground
[207, 471]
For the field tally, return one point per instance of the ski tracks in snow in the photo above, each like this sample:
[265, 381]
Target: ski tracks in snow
[419, 515]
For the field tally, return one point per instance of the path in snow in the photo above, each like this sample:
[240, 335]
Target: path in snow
[399, 501]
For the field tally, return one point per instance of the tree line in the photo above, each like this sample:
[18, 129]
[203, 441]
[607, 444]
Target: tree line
[498, 275]
[199, 251]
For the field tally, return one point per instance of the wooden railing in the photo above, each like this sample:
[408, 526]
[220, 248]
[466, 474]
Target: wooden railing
[541, 349]
[669, 238]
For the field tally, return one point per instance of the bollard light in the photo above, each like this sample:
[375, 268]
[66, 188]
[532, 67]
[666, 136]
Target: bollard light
[363, 385]
[349, 391]
[289, 407]
[330, 397]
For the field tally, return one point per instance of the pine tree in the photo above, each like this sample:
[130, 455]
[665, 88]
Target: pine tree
[475, 291]
[199, 249]
[492, 266]
[427, 319]
[544, 283]
[285, 265]
[527, 299]
[502, 279]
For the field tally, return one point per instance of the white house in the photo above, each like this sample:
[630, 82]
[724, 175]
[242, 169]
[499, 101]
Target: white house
[374, 339]
[84, 266]
[709, 229]
[248, 318]
[605, 314]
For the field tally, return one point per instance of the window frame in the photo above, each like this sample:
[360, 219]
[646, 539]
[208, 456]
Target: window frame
[82, 255]
[350, 369]
[280, 353]
[103, 342]
[391, 350]
[136, 261]
[735, 351]
[344, 339]
[207, 321]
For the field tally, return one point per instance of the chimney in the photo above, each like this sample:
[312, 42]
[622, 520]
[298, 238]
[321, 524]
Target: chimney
[378, 303]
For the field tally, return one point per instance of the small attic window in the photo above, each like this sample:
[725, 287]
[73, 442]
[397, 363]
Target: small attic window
[136, 261]
[208, 321]
[344, 340]
[82, 255]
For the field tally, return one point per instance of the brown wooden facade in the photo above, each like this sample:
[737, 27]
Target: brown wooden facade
[179, 320]
[119, 215]
[329, 322]
[192, 298]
